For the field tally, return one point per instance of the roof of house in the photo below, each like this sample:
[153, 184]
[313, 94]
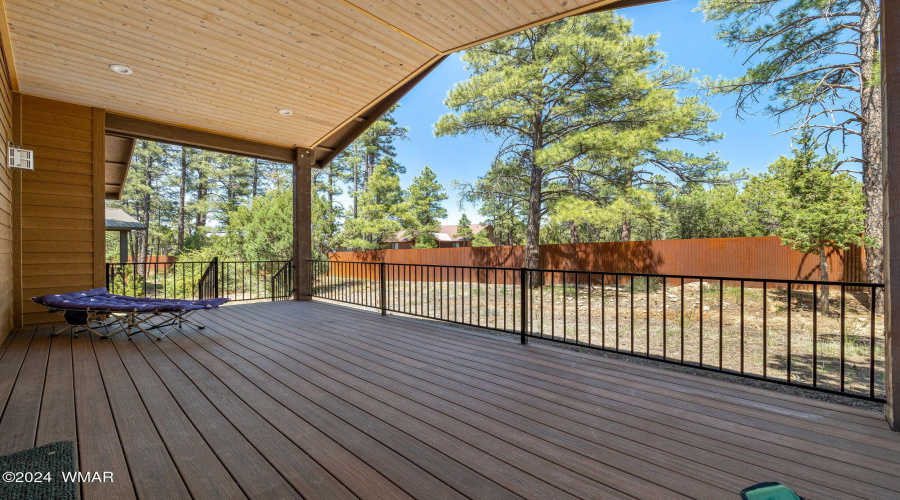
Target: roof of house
[118, 220]
[446, 233]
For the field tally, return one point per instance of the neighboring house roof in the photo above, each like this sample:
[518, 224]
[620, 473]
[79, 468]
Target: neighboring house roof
[118, 220]
[445, 234]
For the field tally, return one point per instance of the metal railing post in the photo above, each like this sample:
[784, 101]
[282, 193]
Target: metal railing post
[108, 282]
[523, 286]
[383, 284]
[215, 264]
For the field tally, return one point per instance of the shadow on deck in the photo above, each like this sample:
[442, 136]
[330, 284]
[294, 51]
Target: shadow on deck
[312, 399]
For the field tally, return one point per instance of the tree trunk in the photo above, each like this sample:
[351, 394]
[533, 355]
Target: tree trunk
[870, 129]
[823, 276]
[573, 233]
[533, 232]
[182, 187]
[330, 185]
[626, 230]
[201, 197]
[370, 166]
[255, 177]
[355, 190]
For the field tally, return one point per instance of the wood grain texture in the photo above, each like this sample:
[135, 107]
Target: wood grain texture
[9, 197]
[890, 80]
[312, 399]
[62, 203]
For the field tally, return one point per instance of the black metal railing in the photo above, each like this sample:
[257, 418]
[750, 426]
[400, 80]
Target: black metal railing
[237, 280]
[775, 330]
[283, 282]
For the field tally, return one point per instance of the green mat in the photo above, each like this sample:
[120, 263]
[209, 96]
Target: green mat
[769, 491]
[31, 467]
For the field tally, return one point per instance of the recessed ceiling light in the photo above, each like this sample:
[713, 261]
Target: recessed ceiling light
[121, 69]
[285, 112]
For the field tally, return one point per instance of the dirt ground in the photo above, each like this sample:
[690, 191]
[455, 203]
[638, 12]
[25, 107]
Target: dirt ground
[724, 328]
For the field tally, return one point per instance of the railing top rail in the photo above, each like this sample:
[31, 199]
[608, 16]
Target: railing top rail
[608, 273]
[197, 262]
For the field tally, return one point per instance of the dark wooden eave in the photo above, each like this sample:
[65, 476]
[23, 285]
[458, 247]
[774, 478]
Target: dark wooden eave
[119, 151]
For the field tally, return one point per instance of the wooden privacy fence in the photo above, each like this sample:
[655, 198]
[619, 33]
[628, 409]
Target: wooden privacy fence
[746, 258]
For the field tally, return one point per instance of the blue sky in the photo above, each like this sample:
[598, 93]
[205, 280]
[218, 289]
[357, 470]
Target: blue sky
[683, 36]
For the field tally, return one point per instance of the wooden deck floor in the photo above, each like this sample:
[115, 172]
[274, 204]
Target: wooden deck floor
[316, 400]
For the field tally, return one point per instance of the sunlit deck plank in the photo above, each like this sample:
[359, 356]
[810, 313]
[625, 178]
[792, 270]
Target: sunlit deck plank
[321, 400]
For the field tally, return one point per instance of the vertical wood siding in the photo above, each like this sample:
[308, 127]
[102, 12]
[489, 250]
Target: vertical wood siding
[756, 258]
[58, 202]
[7, 295]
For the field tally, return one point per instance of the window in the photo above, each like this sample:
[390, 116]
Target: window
[395, 246]
[455, 244]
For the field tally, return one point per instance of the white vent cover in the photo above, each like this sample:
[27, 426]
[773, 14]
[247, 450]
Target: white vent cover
[20, 158]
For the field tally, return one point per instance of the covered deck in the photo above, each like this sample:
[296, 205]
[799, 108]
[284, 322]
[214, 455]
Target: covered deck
[316, 400]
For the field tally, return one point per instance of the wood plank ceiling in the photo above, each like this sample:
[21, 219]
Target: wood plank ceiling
[228, 66]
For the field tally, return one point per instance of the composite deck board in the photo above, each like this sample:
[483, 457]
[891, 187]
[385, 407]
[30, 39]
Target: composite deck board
[99, 447]
[18, 425]
[295, 465]
[57, 419]
[694, 455]
[365, 427]
[569, 422]
[642, 396]
[257, 477]
[515, 429]
[318, 400]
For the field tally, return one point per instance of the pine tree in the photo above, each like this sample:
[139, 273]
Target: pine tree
[816, 63]
[814, 208]
[381, 210]
[464, 229]
[568, 99]
[423, 210]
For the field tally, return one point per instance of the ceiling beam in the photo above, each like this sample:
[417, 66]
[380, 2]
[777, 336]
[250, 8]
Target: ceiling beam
[127, 126]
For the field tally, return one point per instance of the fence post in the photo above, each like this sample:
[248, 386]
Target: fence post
[523, 309]
[383, 284]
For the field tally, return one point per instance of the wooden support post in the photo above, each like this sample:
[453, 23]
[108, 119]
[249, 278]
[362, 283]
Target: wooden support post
[890, 77]
[98, 136]
[303, 162]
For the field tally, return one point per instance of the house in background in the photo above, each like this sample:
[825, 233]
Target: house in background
[445, 237]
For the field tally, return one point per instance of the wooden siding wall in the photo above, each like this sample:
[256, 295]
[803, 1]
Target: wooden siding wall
[7, 296]
[62, 201]
[758, 258]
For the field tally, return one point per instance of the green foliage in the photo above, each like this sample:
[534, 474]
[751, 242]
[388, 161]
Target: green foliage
[576, 102]
[718, 212]
[127, 282]
[463, 229]
[481, 240]
[263, 231]
[803, 58]
[423, 211]
[326, 228]
[378, 211]
[812, 206]
[170, 187]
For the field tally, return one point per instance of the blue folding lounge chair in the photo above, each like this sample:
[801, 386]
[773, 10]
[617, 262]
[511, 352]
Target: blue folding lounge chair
[96, 309]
